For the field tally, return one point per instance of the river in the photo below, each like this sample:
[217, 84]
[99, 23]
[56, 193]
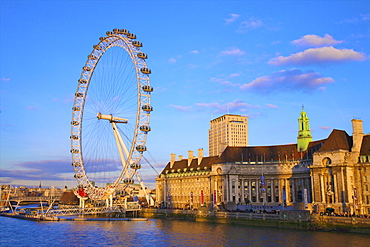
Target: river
[159, 232]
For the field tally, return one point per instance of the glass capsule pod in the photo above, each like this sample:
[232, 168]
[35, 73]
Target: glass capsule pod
[147, 108]
[74, 137]
[128, 181]
[75, 108]
[121, 31]
[102, 39]
[141, 148]
[75, 151]
[97, 47]
[142, 55]
[135, 166]
[78, 176]
[87, 68]
[145, 128]
[131, 36]
[146, 70]
[147, 88]
[92, 57]
[116, 30]
[109, 33]
[82, 81]
[75, 123]
[137, 44]
[77, 164]
[79, 94]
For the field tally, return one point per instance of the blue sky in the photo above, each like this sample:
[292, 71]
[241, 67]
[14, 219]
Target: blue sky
[261, 59]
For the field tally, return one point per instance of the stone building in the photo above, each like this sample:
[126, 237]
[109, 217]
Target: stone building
[313, 175]
[340, 172]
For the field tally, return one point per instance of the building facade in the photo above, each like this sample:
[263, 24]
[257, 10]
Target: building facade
[227, 130]
[316, 175]
[340, 172]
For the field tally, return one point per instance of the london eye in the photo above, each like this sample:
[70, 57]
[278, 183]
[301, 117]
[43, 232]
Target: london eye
[111, 115]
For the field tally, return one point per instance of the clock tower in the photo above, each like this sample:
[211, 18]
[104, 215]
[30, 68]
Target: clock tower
[304, 134]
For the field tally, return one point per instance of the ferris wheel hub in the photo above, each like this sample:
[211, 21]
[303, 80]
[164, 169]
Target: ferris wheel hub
[111, 118]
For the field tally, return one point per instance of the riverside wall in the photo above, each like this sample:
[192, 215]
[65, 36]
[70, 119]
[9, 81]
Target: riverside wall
[287, 219]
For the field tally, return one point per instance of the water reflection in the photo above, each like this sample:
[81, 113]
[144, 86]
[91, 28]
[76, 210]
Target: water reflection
[15, 232]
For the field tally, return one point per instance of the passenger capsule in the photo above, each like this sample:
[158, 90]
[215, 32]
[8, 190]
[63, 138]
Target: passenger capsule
[79, 94]
[115, 30]
[147, 108]
[75, 123]
[87, 68]
[145, 128]
[77, 164]
[131, 36]
[128, 181]
[135, 166]
[75, 108]
[73, 137]
[140, 148]
[82, 81]
[102, 39]
[75, 151]
[92, 57]
[109, 33]
[137, 44]
[78, 176]
[123, 31]
[142, 55]
[147, 88]
[146, 71]
[97, 47]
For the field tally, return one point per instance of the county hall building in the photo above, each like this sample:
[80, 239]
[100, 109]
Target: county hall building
[313, 175]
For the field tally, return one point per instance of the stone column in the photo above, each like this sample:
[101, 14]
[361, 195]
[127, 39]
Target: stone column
[293, 190]
[287, 190]
[335, 189]
[250, 190]
[258, 190]
[322, 189]
[242, 191]
[272, 188]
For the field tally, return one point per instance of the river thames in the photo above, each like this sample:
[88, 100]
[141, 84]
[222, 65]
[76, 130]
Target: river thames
[159, 232]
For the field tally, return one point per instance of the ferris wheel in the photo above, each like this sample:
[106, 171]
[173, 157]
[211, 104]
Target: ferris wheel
[110, 115]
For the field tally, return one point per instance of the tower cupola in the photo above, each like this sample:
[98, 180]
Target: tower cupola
[304, 135]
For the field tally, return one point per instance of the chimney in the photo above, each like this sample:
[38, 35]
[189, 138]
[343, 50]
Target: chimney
[172, 160]
[200, 155]
[190, 157]
[180, 157]
[357, 135]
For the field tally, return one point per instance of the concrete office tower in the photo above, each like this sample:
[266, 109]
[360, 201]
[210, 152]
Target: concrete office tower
[227, 130]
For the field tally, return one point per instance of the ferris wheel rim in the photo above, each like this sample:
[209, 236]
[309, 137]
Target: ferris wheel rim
[142, 127]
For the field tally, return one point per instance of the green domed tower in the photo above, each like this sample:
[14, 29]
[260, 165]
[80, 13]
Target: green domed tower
[304, 134]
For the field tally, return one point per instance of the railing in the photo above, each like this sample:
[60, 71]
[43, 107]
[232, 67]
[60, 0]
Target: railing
[34, 198]
[88, 210]
[239, 215]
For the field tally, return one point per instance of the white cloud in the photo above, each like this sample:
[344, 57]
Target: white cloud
[172, 60]
[232, 52]
[322, 55]
[234, 75]
[235, 106]
[181, 108]
[316, 41]
[232, 18]
[288, 80]
[194, 52]
[5, 79]
[272, 106]
[250, 24]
